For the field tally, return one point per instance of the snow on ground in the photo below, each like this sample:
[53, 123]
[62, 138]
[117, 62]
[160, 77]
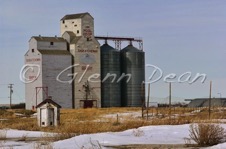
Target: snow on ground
[165, 134]
[3, 119]
[122, 116]
[196, 111]
[143, 135]
[125, 114]
[10, 133]
[219, 146]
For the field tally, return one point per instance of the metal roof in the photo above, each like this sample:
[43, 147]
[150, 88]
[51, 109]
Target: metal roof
[49, 39]
[48, 100]
[75, 16]
[54, 52]
[204, 102]
[106, 48]
[130, 48]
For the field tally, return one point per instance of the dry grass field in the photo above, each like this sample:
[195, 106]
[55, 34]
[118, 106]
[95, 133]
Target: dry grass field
[86, 121]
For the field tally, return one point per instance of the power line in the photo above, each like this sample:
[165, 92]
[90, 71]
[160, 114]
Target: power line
[10, 94]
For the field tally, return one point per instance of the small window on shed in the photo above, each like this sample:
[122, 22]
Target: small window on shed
[63, 22]
[75, 25]
[32, 50]
[43, 123]
[51, 43]
[77, 31]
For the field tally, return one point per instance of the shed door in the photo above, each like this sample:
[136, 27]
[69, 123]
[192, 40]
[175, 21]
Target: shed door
[51, 116]
[43, 117]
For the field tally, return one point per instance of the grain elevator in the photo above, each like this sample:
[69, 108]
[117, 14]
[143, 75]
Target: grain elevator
[78, 72]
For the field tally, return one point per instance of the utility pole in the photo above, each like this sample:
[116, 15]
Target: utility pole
[10, 94]
[220, 99]
[210, 99]
[142, 98]
[148, 99]
[170, 102]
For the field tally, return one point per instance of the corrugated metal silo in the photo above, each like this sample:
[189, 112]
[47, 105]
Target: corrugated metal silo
[110, 63]
[132, 62]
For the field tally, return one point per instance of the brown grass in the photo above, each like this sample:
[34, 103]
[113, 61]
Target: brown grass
[86, 121]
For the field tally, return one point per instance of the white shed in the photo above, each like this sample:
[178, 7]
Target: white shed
[48, 113]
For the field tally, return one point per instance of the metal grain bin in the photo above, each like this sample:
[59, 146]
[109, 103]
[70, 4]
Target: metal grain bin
[132, 62]
[110, 63]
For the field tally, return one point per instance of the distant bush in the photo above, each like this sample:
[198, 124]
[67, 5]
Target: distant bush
[19, 106]
[207, 134]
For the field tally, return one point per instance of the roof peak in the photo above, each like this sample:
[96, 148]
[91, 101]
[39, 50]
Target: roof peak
[48, 100]
[46, 36]
[49, 39]
[75, 16]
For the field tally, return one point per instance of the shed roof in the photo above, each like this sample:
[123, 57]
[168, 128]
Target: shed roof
[49, 39]
[54, 52]
[48, 100]
[75, 16]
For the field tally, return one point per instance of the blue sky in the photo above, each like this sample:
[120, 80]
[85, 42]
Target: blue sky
[178, 35]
